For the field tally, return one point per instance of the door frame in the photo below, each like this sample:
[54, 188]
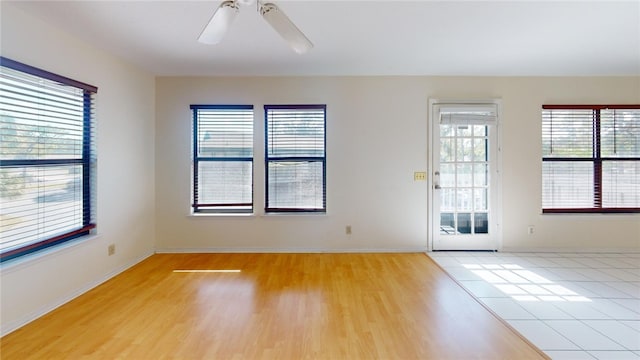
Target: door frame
[432, 152]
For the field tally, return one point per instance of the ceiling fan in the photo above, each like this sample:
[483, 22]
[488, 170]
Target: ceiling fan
[226, 13]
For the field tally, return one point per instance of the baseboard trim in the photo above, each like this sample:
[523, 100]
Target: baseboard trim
[510, 249]
[287, 250]
[12, 326]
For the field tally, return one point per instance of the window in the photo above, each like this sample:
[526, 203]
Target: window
[295, 158]
[47, 159]
[590, 158]
[222, 158]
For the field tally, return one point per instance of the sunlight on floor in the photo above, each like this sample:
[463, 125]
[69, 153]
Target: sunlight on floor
[207, 271]
[522, 284]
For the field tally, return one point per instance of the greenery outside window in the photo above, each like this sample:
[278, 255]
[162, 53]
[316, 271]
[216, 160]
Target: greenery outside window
[295, 158]
[47, 159]
[222, 158]
[590, 158]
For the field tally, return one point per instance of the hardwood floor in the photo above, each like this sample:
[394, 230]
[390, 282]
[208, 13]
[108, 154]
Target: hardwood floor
[283, 306]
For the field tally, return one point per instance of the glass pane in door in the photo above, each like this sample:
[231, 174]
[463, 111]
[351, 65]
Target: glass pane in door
[464, 179]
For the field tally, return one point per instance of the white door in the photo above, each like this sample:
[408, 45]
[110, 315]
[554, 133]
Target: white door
[465, 176]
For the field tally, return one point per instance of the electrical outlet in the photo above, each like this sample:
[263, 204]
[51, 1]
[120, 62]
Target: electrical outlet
[530, 230]
[111, 249]
[347, 230]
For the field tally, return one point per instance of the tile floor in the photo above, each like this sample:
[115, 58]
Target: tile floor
[570, 305]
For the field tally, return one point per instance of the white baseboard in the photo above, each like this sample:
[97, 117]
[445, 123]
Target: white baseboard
[16, 324]
[510, 249]
[287, 250]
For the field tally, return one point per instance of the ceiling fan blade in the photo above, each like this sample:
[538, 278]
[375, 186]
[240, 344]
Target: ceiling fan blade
[286, 28]
[220, 22]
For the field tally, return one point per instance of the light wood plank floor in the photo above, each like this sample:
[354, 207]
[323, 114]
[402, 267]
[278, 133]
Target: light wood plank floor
[282, 306]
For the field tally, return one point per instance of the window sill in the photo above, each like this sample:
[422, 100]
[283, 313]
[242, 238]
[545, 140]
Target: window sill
[46, 254]
[294, 214]
[227, 215]
[609, 211]
[254, 215]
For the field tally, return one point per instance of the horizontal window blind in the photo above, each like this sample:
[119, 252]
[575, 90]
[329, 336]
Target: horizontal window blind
[591, 158]
[47, 159]
[295, 158]
[223, 158]
[620, 131]
[461, 114]
[567, 133]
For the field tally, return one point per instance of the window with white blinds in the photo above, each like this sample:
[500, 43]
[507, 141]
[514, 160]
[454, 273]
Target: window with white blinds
[590, 158]
[47, 159]
[222, 158]
[295, 158]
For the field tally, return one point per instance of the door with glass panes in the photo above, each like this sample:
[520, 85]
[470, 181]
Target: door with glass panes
[464, 176]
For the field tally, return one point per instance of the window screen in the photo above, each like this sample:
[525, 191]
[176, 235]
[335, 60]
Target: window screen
[295, 158]
[222, 158]
[47, 159]
[591, 158]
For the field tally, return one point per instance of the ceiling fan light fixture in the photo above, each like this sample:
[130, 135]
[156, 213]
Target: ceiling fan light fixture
[219, 23]
[285, 27]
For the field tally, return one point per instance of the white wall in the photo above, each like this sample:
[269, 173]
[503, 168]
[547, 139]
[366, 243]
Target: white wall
[376, 139]
[126, 194]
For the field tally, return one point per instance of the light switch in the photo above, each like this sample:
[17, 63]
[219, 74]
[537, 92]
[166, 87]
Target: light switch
[419, 176]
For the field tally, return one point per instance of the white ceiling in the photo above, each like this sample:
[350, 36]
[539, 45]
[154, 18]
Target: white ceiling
[366, 37]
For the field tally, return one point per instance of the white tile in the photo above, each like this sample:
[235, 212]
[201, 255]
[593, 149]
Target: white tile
[569, 355]
[631, 304]
[446, 261]
[489, 276]
[460, 273]
[569, 274]
[617, 332]
[545, 310]
[491, 266]
[575, 287]
[487, 260]
[603, 290]
[570, 263]
[614, 355]
[632, 324]
[541, 262]
[621, 274]
[630, 288]
[535, 277]
[616, 263]
[523, 262]
[435, 254]
[534, 289]
[482, 289]
[594, 263]
[581, 310]
[614, 310]
[542, 336]
[507, 309]
[596, 275]
[624, 263]
[511, 289]
[583, 336]
[557, 289]
[510, 276]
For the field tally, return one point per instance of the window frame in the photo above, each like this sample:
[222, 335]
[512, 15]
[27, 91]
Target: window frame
[217, 208]
[87, 161]
[293, 159]
[596, 159]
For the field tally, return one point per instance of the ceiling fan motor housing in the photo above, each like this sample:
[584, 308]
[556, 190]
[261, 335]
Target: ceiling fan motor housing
[246, 2]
